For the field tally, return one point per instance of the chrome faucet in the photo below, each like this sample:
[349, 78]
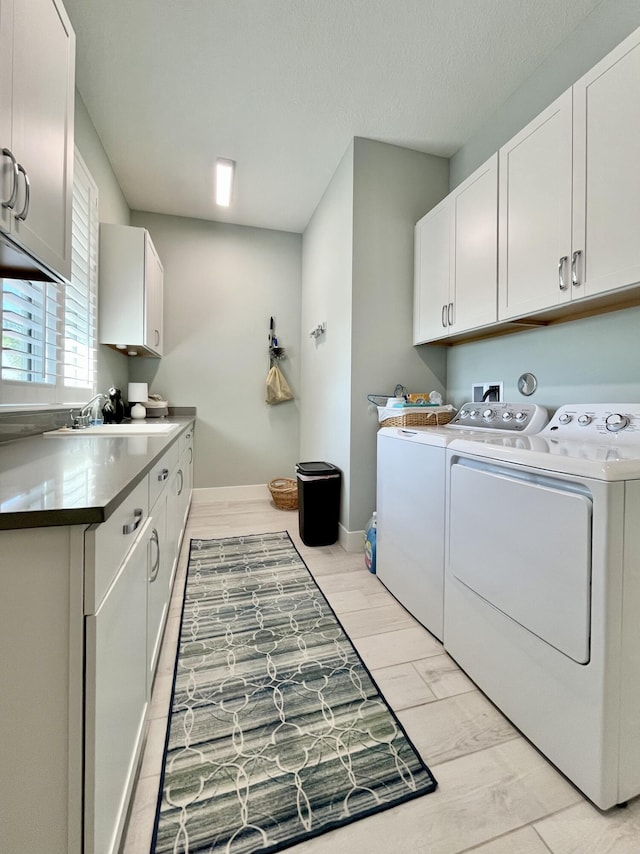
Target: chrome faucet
[80, 421]
[86, 409]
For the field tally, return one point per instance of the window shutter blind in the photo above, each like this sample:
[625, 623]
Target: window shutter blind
[80, 307]
[30, 312]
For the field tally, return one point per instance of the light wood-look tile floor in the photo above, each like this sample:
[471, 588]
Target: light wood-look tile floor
[496, 793]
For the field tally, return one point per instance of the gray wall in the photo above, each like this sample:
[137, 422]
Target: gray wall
[358, 278]
[591, 360]
[222, 283]
[609, 23]
[581, 361]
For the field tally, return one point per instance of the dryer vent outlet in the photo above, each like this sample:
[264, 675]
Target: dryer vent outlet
[487, 391]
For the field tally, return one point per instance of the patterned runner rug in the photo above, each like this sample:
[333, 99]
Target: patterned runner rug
[278, 732]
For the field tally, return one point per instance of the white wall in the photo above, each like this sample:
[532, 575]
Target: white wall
[325, 380]
[393, 188]
[358, 278]
[585, 360]
[222, 284]
[112, 203]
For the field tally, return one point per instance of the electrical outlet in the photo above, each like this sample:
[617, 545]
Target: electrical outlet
[487, 391]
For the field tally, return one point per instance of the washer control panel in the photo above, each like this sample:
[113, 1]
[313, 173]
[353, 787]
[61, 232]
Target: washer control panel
[595, 421]
[506, 417]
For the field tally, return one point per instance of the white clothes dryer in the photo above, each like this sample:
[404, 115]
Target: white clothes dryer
[410, 501]
[542, 587]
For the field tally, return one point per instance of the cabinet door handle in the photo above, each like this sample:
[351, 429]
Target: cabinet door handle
[444, 316]
[561, 282]
[27, 194]
[164, 474]
[10, 202]
[137, 518]
[575, 281]
[157, 336]
[181, 482]
[450, 314]
[156, 566]
[190, 455]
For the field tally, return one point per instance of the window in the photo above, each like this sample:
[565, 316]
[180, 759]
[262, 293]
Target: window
[49, 330]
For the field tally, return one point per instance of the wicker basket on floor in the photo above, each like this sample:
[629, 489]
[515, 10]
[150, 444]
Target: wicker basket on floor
[284, 491]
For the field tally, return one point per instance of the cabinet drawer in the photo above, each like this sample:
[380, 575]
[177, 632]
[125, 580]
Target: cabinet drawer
[161, 472]
[106, 545]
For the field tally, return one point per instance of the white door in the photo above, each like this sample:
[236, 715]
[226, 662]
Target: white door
[116, 698]
[160, 567]
[153, 297]
[432, 310]
[474, 210]
[607, 173]
[535, 213]
[42, 139]
[7, 175]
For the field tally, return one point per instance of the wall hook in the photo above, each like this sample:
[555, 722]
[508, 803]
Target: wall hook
[319, 330]
[275, 351]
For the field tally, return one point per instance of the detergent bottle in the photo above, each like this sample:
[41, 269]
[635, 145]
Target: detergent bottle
[370, 543]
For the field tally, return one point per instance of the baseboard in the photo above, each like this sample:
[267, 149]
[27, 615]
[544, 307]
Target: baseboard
[231, 493]
[351, 541]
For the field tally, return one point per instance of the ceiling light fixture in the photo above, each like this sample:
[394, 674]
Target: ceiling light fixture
[224, 181]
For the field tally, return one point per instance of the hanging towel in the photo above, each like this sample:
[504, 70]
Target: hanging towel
[277, 387]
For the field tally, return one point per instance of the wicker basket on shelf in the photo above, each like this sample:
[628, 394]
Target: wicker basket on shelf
[416, 418]
[284, 491]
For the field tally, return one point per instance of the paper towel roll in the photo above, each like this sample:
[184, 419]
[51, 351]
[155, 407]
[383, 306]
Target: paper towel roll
[138, 392]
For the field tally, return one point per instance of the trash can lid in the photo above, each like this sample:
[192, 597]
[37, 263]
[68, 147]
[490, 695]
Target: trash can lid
[317, 468]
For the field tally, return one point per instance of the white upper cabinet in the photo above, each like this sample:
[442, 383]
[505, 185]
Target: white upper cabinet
[456, 246]
[535, 213]
[37, 73]
[432, 273]
[606, 214]
[570, 193]
[130, 290]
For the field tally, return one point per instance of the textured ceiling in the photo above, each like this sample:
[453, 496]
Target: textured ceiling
[282, 86]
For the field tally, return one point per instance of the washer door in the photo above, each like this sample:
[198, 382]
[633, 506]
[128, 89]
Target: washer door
[523, 543]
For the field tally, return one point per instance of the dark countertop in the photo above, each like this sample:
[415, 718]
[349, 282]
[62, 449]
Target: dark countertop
[74, 480]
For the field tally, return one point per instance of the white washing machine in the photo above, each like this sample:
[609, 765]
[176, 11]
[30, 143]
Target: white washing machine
[542, 587]
[410, 501]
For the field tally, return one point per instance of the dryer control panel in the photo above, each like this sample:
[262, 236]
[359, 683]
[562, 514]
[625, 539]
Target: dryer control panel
[509, 417]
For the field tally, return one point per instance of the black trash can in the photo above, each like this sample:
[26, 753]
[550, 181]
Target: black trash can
[319, 486]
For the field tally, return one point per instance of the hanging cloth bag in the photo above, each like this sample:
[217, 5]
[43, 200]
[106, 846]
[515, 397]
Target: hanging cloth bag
[277, 387]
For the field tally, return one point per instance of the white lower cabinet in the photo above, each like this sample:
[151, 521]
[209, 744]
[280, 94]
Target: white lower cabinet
[160, 576]
[179, 497]
[157, 587]
[116, 696]
[82, 613]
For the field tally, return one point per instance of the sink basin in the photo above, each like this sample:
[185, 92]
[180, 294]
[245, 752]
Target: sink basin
[135, 428]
